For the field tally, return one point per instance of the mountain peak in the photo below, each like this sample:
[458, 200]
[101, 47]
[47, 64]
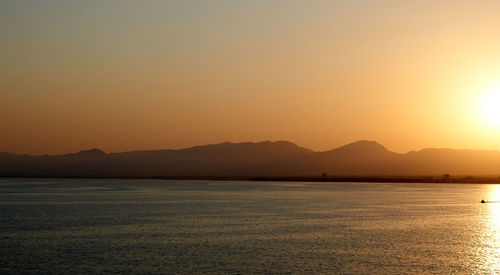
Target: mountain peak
[366, 149]
[364, 145]
[92, 152]
[263, 146]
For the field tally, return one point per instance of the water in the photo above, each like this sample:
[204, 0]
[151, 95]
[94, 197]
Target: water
[157, 226]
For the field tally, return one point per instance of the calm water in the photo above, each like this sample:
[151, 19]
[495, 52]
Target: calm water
[156, 226]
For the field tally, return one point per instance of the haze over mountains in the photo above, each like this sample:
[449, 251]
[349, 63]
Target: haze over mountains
[262, 159]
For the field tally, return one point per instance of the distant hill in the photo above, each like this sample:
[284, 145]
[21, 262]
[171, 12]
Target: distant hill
[249, 159]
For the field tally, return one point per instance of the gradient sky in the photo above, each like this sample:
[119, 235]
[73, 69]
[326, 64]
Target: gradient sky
[128, 75]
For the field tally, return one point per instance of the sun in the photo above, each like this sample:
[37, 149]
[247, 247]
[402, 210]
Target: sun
[489, 106]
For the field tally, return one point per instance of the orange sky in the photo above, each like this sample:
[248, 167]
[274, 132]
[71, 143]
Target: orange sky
[128, 75]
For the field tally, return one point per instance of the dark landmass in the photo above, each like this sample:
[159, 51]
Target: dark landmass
[402, 179]
[362, 161]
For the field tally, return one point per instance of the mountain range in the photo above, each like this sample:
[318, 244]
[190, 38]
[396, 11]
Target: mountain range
[249, 159]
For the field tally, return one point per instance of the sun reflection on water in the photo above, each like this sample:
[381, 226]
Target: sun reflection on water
[491, 231]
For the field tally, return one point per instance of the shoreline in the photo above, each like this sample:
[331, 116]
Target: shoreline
[374, 179]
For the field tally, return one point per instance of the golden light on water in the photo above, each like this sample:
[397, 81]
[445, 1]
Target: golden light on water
[491, 232]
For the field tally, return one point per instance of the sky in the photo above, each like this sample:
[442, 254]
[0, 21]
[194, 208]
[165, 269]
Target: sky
[132, 75]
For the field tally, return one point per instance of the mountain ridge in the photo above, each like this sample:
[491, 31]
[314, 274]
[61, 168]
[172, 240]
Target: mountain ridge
[254, 159]
[351, 144]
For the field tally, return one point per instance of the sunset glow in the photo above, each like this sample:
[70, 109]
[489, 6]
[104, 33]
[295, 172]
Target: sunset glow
[250, 137]
[489, 106]
[139, 75]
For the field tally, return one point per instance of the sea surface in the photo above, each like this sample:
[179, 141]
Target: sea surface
[69, 226]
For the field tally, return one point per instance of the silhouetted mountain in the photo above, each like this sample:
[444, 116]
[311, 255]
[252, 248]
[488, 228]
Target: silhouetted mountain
[91, 153]
[361, 149]
[457, 162]
[249, 159]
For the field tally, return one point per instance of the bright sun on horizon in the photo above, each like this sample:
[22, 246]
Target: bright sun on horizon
[489, 106]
